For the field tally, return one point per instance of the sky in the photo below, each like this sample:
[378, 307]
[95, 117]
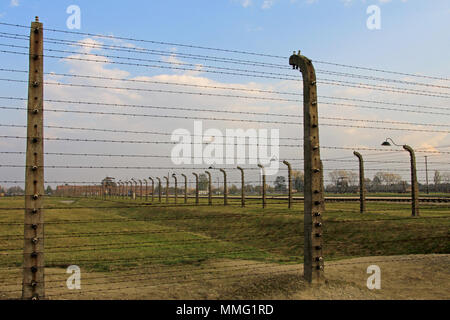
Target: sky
[413, 39]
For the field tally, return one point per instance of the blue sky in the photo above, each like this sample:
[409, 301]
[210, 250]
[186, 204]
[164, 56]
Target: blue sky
[414, 38]
[326, 29]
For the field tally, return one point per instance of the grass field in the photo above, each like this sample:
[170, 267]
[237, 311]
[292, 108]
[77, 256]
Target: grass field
[210, 252]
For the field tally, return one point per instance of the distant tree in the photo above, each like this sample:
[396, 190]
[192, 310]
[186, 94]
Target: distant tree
[49, 190]
[391, 178]
[298, 180]
[202, 182]
[15, 191]
[249, 188]
[280, 183]
[437, 178]
[350, 177]
[446, 177]
[387, 179]
[377, 180]
[233, 189]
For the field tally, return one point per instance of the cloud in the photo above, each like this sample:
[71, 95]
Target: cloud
[14, 3]
[267, 4]
[245, 3]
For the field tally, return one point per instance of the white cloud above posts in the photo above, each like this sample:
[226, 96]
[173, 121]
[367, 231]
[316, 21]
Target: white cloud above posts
[267, 4]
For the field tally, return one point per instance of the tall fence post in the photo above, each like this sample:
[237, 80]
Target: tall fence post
[140, 189]
[176, 187]
[33, 285]
[133, 190]
[196, 187]
[314, 198]
[130, 193]
[153, 188]
[263, 185]
[414, 184]
[289, 183]
[225, 187]
[185, 187]
[362, 187]
[242, 187]
[146, 190]
[167, 189]
[209, 188]
[159, 189]
[426, 174]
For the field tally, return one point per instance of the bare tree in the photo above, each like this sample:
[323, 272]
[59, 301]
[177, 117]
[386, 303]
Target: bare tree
[349, 176]
[437, 178]
[298, 180]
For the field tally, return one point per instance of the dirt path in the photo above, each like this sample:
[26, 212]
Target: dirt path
[402, 277]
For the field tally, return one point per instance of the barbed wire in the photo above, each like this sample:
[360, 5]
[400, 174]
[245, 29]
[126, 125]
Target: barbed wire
[248, 73]
[215, 59]
[110, 37]
[353, 160]
[223, 119]
[241, 112]
[324, 103]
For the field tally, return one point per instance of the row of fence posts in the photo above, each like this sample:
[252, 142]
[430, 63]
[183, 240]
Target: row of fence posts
[125, 189]
[129, 189]
[414, 183]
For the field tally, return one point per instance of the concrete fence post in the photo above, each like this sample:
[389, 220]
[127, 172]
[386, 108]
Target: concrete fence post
[242, 187]
[159, 189]
[362, 187]
[414, 184]
[289, 183]
[209, 188]
[146, 190]
[33, 284]
[196, 188]
[225, 187]
[153, 188]
[176, 187]
[314, 190]
[129, 189]
[167, 189]
[185, 187]
[263, 185]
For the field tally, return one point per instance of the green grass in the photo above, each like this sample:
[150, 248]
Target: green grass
[189, 235]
